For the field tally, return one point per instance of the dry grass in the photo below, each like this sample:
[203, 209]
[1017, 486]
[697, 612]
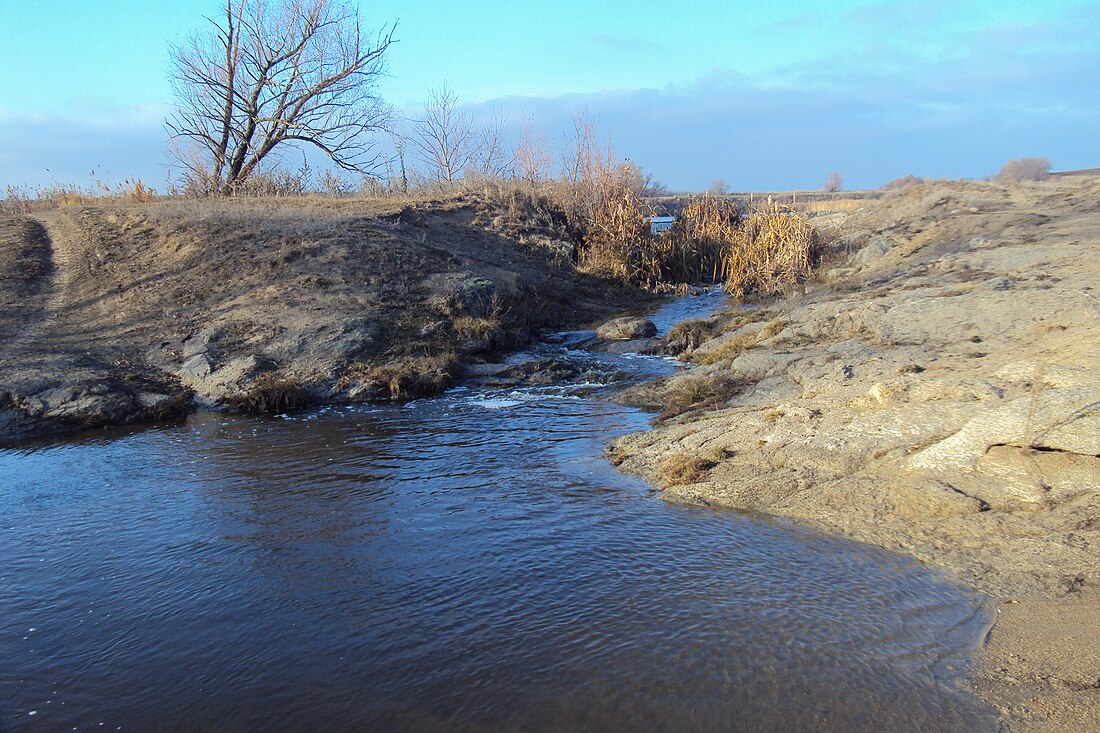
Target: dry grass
[684, 338]
[773, 327]
[698, 249]
[520, 209]
[689, 335]
[617, 238]
[477, 327]
[683, 469]
[598, 221]
[700, 393]
[831, 206]
[410, 376]
[271, 394]
[728, 351]
[22, 200]
[774, 249]
[488, 326]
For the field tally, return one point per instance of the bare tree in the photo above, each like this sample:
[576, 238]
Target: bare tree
[717, 187]
[532, 159]
[1025, 169]
[832, 183]
[399, 143]
[637, 180]
[582, 157]
[491, 157]
[443, 136]
[272, 72]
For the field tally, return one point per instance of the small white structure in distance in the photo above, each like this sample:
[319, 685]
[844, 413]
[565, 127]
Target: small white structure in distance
[660, 224]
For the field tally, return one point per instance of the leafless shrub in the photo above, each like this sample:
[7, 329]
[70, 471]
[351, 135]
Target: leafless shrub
[491, 158]
[899, 183]
[1025, 169]
[275, 183]
[533, 161]
[832, 183]
[333, 184]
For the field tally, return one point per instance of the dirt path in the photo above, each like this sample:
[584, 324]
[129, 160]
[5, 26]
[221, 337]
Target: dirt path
[38, 338]
[27, 273]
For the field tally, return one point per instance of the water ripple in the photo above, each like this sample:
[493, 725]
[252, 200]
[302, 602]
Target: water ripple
[463, 563]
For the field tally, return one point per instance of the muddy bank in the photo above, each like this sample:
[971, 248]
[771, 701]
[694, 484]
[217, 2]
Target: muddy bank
[125, 313]
[937, 393]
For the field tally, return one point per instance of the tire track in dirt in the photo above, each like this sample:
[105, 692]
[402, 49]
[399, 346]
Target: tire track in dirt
[66, 257]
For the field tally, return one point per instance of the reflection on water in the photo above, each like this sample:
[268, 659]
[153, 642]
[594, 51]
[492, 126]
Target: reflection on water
[462, 563]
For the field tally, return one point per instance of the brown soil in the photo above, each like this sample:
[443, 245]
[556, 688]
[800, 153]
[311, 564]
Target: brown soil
[938, 393]
[128, 312]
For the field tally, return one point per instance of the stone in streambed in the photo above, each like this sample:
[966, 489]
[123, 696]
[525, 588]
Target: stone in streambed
[626, 329]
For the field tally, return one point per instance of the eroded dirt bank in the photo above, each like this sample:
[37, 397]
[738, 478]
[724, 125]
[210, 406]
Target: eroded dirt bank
[123, 313]
[937, 393]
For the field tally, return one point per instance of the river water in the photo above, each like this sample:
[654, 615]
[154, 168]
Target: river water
[463, 563]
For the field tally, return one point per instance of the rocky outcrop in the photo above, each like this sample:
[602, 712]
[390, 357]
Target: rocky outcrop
[63, 404]
[938, 394]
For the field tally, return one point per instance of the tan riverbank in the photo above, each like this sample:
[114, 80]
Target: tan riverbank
[937, 394]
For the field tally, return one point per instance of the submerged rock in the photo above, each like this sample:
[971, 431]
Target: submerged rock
[540, 371]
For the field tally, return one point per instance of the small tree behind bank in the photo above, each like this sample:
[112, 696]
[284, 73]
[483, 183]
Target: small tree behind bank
[270, 73]
[1025, 169]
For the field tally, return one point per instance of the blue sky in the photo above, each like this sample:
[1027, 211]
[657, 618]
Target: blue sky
[762, 96]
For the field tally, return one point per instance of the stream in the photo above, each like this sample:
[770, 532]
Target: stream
[468, 562]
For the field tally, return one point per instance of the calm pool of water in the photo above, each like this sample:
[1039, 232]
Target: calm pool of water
[468, 562]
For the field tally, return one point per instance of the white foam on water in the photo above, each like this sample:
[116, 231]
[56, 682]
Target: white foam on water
[495, 403]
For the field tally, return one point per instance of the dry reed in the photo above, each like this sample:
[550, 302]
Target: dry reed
[774, 249]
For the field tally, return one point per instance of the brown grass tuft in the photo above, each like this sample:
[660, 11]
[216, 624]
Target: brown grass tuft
[727, 351]
[684, 469]
[411, 376]
[477, 327]
[697, 393]
[270, 394]
[689, 335]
